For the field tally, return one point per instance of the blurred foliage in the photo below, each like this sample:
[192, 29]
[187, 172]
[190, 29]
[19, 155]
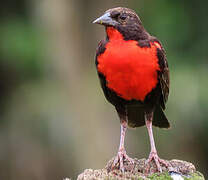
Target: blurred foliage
[55, 121]
[21, 47]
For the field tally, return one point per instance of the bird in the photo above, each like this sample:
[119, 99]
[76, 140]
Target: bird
[133, 71]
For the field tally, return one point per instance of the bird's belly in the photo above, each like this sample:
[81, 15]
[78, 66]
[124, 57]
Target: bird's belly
[130, 71]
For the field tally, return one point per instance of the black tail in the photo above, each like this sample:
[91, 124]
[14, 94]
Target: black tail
[136, 117]
[160, 119]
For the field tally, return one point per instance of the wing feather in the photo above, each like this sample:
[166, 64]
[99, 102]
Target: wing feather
[164, 78]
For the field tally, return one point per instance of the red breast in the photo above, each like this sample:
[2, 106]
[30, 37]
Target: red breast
[130, 70]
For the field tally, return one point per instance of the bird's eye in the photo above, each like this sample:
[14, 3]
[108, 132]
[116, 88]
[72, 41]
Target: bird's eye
[123, 17]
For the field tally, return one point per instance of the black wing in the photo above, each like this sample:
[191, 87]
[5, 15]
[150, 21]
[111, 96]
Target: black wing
[164, 78]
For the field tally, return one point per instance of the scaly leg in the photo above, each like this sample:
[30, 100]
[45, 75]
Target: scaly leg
[121, 156]
[153, 156]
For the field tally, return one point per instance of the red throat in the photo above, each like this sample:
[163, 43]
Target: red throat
[130, 70]
[113, 34]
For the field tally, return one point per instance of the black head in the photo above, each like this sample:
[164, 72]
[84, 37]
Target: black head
[125, 21]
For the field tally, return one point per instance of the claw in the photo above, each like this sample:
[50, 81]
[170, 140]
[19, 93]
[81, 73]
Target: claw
[120, 159]
[154, 157]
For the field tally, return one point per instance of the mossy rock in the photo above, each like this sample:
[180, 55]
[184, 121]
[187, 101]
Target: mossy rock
[177, 170]
[102, 174]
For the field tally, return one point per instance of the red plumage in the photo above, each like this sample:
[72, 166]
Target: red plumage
[130, 70]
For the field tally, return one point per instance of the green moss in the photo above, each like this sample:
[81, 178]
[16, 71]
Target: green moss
[195, 176]
[164, 176]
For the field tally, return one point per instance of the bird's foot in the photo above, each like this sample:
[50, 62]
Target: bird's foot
[154, 157]
[119, 160]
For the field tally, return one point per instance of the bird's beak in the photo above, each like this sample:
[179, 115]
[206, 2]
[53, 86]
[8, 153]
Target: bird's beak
[105, 20]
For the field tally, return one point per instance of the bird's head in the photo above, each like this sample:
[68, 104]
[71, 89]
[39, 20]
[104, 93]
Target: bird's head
[124, 20]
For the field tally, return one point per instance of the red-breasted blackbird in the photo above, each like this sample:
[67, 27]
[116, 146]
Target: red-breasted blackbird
[134, 76]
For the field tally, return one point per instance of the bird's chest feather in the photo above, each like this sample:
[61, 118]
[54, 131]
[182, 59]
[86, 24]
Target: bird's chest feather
[130, 71]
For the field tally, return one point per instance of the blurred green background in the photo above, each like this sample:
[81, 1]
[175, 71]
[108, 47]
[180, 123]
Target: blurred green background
[55, 121]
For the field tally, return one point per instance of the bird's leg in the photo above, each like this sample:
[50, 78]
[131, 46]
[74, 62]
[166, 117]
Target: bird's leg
[122, 156]
[153, 156]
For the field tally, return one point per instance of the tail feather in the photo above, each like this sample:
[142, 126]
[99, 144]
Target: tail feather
[159, 119]
[136, 117]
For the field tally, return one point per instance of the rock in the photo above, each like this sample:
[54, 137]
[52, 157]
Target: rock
[177, 170]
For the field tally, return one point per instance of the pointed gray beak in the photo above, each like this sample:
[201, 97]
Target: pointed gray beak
[105, 20]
